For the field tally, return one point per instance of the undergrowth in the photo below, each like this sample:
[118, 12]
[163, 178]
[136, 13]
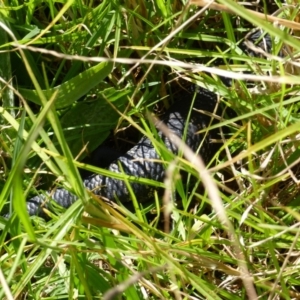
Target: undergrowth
[77, 74]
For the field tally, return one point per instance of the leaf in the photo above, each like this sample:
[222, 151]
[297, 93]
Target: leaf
[88, 123]
[72, 90]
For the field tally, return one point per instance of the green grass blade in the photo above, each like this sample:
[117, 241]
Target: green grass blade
[72, 90]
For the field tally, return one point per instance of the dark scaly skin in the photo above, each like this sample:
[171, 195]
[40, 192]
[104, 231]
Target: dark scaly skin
[176, 119]
[138, 162]
[259, 41]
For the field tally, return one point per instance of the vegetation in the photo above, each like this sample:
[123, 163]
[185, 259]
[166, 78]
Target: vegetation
[74, 71]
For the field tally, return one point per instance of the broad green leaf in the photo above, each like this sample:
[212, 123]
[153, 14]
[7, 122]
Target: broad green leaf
[70, 91]
[88, 123]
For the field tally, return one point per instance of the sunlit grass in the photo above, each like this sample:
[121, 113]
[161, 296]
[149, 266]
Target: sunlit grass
[70, 101]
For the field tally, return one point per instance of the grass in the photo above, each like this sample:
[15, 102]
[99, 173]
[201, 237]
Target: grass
[62, 66]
